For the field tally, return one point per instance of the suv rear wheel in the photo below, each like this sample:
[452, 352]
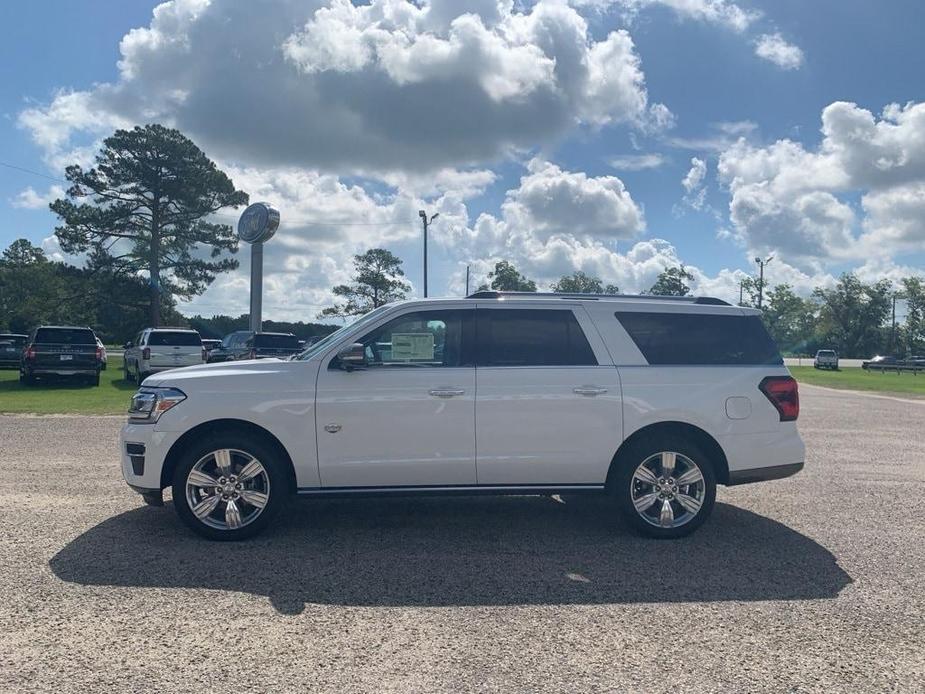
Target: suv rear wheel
[665, 487]
[229, 486]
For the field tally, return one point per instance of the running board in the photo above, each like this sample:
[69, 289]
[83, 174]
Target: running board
[510, 489]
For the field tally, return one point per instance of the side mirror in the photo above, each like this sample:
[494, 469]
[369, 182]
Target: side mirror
[128, 345]
[352, 356]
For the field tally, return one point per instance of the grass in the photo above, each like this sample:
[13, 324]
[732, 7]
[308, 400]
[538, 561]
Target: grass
[65, 396]
[853, 378]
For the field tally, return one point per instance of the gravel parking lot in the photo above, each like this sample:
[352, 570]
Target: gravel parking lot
[811, 583]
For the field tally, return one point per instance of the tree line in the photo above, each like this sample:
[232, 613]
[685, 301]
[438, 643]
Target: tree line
[853, 317]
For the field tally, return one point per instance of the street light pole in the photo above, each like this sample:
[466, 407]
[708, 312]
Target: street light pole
[761, 264]
[423, 215]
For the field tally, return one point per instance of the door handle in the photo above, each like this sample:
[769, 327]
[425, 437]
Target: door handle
[446, 392]
[590, 391]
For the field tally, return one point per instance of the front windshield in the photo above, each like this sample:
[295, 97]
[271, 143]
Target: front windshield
[325, 342]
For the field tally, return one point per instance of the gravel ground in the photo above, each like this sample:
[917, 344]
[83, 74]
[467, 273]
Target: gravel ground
[808, 584]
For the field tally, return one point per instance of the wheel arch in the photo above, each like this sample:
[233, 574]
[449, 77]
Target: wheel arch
[703, 440]
[237, 426]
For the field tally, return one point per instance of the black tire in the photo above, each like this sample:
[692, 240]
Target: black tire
[125, 374]
[94, 380]
[139, 376]
[280, 488]
[621, 482]
[26, 379]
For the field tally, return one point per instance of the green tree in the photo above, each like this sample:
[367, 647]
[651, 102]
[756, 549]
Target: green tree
[377, 281]
[852, 315]
[790, 319]
[671, 282]
[914, 329]
[580, 283]
[143, 209]
[28, 286]
[506, 278]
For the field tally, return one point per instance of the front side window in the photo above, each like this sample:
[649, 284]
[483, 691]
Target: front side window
[419, 339]
[532, 337]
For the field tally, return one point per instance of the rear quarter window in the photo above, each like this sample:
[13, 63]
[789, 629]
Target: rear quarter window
[65, 336]
[700, 339]
[174, 338]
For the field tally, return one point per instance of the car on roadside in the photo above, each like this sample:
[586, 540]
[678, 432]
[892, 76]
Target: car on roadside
[265, 345]
[826, 359]
[651, 401]
[61, 351]
[11, 347]
[161, 349]
[231, 348]
[881, 363]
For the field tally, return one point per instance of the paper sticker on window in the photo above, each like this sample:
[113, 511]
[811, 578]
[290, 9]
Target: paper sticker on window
[412, 347]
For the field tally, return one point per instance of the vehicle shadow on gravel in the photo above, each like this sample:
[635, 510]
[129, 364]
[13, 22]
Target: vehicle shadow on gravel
[459, 551]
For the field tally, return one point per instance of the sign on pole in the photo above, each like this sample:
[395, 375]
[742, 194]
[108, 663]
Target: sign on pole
[256, 226]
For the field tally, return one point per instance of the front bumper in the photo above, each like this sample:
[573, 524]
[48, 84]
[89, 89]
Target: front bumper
[143, 451]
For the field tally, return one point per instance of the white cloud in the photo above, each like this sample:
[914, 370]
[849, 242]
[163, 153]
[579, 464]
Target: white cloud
[776, 49]
[798, 202]
[638, 162]
[693, 183]
[721, 12]
[29, 199]
[389, 86]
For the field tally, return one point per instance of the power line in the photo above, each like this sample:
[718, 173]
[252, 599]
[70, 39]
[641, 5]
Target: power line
[34, 173]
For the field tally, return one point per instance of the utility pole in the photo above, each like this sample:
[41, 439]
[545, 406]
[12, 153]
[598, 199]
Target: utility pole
[893, 327]
[427, 222]
[467, 280]
[761, 264]
[741, 288]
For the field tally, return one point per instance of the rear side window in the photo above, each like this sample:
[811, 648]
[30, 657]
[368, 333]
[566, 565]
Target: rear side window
[14, 340]
[531, 337]
[174, 338]
[277, 341]
[700, 339]
[65, 336]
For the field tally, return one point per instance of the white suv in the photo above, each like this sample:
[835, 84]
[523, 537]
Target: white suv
[159, 349]
[651, 400]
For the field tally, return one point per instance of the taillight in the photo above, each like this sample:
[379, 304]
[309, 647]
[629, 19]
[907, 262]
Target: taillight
[253, 354]
[146, 353]
[99, 354]
[784, 394]
[30, 353]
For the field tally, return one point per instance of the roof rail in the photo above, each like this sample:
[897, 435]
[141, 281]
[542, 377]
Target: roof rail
[492, 294]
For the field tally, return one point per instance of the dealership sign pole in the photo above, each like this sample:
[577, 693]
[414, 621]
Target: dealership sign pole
[257, 225]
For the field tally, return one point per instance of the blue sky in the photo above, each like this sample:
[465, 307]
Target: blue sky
[545, 156]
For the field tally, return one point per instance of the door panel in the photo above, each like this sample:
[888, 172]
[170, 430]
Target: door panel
[548, 410]
[408, 417]
[533, 428]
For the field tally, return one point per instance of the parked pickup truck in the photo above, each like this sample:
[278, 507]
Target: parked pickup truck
[826, 359]
[61, 351]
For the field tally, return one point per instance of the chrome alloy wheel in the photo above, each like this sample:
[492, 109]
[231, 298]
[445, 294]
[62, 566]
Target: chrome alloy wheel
[227, 489]
[667, 489]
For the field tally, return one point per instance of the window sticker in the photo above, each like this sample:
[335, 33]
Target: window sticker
[412, 347]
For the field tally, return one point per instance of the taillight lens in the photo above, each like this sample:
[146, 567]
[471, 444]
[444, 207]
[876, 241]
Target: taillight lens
[784, 394]
[99, 354]
[30, 353]
[146, 353]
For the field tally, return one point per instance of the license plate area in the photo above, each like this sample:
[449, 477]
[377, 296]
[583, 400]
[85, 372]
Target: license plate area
[67, 357]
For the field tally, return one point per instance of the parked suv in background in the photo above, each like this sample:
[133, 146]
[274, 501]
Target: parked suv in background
[232, 347]
[653, 401]
[826, 359]
[160, 349]
[268, 345]
[53, 350]
[11, 346]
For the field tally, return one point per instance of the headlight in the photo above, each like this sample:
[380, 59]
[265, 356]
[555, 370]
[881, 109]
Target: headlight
[148, 404]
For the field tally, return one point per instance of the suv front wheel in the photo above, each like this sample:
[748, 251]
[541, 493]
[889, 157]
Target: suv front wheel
[665, 487]
[229, 487]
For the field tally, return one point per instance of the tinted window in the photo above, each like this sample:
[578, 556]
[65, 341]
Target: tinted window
[14, 340]
[698, 338]
[532, 337]
[277, 341]
[422, 338]
[65, 336]
[174, 338]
